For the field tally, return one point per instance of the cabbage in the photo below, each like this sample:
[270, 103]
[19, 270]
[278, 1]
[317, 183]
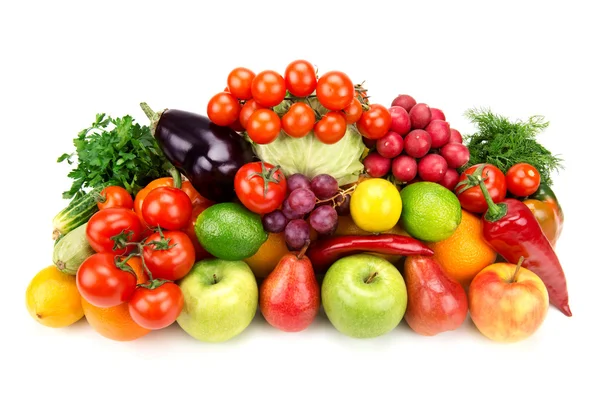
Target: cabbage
[311, 157]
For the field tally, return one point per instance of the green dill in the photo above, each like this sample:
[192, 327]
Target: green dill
[503, 143]
[114, 151]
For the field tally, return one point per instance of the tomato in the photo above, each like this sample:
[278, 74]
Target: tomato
[114, 196]
[353, 112]
[522, 179]
[471, 198]
[268, 88]
[237, 126]
[263, 126]
[239, 83]
[247, 111]
[156, 307]
[195, 197]
[299, 120]
[374, 123]
[167, 207]
[249, 184]
[102, 283]
[190, 230]
[300, 78]
[170, 256]
[105, 225]
[335, 90]
[546, 217]
[375, 205]
[331, 128]
[223, 109]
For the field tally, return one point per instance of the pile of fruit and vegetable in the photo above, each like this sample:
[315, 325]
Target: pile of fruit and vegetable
[296, 191]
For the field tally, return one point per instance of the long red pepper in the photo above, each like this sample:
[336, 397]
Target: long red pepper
[325, 252]
[512, 230]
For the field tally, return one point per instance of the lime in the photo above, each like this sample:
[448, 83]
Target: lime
[230, 231]
[430, 211]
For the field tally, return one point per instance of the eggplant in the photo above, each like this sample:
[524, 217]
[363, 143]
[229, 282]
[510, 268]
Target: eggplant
[208, 155]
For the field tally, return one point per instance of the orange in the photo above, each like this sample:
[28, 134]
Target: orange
[465, 252]
[268, 255]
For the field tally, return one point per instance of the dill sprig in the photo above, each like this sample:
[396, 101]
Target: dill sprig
[503, 143]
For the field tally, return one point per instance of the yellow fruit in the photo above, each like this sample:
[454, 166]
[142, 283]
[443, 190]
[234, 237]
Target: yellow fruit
[52, 298]
[465, 252]
[376, 205]
[268, 255]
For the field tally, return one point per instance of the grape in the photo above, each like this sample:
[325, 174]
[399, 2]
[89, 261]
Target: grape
[432, 168]
[390, 145]
[440, 133]
[456, 154]
[455, 136]
[297, 181]
[288, 212]
[404, 168]
[297, 234]
[274, 222]
[324, 220]
[417, 143]
[324, 186]
[405, 101]
[302, 201]
[420, 116]
[342, 204]
[400, 120]
[436, 113]
[450, 179]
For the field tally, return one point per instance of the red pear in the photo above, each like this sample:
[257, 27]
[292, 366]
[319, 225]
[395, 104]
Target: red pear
[436, 302]
[290, 296]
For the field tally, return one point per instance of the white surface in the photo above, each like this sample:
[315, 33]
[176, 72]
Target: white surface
[61, 64]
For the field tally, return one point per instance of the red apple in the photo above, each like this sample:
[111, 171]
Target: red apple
[507, 303]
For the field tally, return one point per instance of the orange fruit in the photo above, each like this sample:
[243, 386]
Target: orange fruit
[268, 255]
[465, 252]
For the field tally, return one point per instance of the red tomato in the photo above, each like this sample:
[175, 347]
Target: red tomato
[374, 123]
[472, 198]
[268, 88]
[353, 112]
[114, 196]
[195, 197]
[300, 78]
[167, 207]
[264, 126]
[102, 283]
[156, 307]
[331, 128]
[169, 257]
[190, 230]
[223, 109]
[249, 185]
[104, 226]
[299, 120]
[522, 179]
[335, 90]
[239, 83]
[247, 111]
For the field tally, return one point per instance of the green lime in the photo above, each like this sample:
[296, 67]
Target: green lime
[230, 231]
[430, 211]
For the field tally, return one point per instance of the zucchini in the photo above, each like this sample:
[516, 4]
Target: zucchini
[71, 250]
[77, 213]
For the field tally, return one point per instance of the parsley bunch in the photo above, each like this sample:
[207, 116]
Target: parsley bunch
[114, 151]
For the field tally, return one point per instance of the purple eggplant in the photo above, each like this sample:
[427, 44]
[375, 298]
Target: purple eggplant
[208, 155]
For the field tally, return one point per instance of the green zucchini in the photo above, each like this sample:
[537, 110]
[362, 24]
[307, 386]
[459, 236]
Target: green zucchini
[77, 213]
[71, 250]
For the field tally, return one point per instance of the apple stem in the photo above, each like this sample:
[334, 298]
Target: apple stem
[303, 251]
[514, 277]
[373, 275]
[215, 278]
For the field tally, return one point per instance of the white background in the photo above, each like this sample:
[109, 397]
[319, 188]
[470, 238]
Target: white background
[61, 63]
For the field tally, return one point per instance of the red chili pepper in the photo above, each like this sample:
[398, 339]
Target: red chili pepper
[325, 252]
[512, 230]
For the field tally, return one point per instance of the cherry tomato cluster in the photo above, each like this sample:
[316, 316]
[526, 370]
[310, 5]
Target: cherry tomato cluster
[158, 230]
[247, 104]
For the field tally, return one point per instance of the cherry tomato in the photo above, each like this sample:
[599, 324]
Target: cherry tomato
[102, 283]
[195, 197]
[472, 198]
[264, 126]
[522, 179]
[374, 123]
[335, 90]
[247, 111]
[268, 88]
[353, 112]
[300, 78]
[249, 185]
[331, 128]
[237, 126]
[156, 307]
[299, 120]
[190, 230]
[111, 223]
[167, 207]
[170, 256]
[239, 83]
[115, 196]
[546, 217]
[223, 109]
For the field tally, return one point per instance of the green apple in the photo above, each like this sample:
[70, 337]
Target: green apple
[364, 296]
[220, 298]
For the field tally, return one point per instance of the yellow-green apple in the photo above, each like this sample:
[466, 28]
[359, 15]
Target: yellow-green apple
[507, 303]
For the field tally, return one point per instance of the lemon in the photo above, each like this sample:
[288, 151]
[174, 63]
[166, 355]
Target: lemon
[375, 205]
[431, 212]
[53, 299]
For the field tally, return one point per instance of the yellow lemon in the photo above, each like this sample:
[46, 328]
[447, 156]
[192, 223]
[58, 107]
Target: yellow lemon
[375, 205]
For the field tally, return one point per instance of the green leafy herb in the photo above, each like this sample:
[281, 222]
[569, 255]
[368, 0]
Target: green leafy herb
[503, 143]
[114, 151]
